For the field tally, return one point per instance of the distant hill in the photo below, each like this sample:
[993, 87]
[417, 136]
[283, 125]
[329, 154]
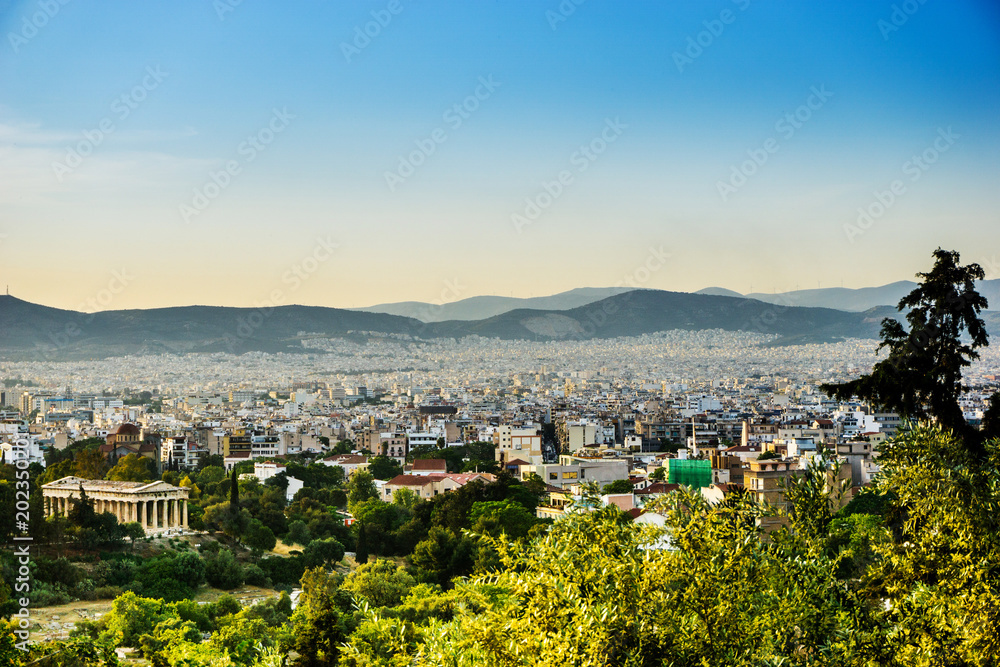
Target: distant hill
[648, 311]
[482, 307]
[718, 291]
[842, 298]
[31, 331]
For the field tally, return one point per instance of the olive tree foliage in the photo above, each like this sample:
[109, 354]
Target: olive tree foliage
[598, 589]
[915, 583]
[939, 574]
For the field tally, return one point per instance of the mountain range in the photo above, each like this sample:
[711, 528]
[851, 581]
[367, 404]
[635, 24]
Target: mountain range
[838, 298]
[858, 300]
[482, 307]
[32, 331]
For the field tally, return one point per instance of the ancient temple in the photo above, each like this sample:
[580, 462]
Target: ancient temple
[156, 506]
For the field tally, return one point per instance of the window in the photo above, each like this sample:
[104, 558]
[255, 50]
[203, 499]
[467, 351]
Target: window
[553, 475]
[569, 475]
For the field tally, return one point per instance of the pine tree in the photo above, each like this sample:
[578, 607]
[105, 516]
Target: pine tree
[361, 552]
[82, 512]
[234, 493]
[921, 377]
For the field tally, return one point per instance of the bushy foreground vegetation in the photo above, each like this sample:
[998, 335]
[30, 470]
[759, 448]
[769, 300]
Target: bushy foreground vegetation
[906, 574]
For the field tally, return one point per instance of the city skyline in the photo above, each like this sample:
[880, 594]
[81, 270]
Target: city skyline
[213, 153]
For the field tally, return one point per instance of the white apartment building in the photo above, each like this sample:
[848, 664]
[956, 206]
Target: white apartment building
[517, 443]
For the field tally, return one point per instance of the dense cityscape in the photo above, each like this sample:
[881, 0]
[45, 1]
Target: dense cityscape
[493, 334]
[624, 423]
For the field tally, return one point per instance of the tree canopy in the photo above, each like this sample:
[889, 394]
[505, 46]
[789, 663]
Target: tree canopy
[922, 375]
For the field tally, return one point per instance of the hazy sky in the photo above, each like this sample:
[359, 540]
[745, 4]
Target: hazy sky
[351, 153]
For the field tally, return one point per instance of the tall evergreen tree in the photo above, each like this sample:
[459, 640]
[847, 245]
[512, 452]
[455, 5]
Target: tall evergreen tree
[921, 377]
[991, 420]
[234, 493]
[361, 551]
[82, 513]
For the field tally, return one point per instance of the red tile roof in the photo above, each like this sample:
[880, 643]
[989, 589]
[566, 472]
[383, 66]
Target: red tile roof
[430, 465]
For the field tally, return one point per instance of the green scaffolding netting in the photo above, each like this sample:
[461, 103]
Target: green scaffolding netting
[690, 472]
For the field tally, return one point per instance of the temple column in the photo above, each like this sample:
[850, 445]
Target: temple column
[185, 514]
[175, 519]
[142, 514]
[156, 517]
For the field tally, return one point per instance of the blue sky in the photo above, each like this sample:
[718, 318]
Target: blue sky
[322, 212]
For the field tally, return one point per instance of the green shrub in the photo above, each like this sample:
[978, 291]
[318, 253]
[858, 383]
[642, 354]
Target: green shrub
[223, 571]
[255, 576]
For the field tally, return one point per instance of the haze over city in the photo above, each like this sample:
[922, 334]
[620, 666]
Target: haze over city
[349, 154]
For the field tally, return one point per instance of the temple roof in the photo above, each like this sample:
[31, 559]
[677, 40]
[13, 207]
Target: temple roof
[98, 485]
